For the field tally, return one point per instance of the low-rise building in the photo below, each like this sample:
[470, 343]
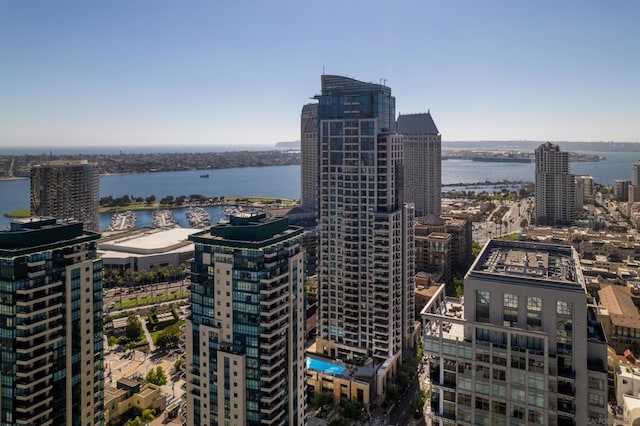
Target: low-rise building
[621, 319]
[129, 398]
[144, 249]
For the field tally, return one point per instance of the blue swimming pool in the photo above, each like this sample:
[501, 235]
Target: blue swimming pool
[325, 367]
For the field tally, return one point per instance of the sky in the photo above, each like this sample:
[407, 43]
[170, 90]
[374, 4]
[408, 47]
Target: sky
[169, 72]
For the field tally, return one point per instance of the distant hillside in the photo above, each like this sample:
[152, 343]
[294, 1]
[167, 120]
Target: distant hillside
[291, 145]
[531, 145]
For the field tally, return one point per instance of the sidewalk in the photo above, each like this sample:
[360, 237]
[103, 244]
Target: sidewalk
[152, 347]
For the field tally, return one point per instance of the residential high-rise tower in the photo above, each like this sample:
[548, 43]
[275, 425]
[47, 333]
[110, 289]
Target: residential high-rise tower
[67, 190]
[245, 337]
[365, 233]
[634, 186]
[309, 150]
[422, 162]
[51, 342]
[555, 187]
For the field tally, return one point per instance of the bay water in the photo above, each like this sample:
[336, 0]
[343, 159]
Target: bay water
[284, 182]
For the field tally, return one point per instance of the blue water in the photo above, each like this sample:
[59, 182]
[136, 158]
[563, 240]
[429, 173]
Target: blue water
[325, 367]
[284, 181]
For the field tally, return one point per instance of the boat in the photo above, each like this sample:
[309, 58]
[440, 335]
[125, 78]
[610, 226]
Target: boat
[204, 176]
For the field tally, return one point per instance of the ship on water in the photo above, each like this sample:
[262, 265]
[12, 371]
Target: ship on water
[122, 221]
[163, 219]
[198, 217]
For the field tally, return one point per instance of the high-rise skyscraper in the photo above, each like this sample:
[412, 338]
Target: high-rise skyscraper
[51, 356]
[66, 190]
[422, 162]
[245, 338]
[365, 233]
[522, 347]
[634, 186]
[309, 148]
[555, 187]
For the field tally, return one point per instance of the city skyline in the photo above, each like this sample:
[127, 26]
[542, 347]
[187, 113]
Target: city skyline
[132, 74]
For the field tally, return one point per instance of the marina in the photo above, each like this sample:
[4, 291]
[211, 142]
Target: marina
[163, 219]
[122, 221]
[198, 217]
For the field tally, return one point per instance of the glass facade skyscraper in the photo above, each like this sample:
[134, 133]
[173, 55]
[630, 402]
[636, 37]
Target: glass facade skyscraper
[365, 274]
[245, 337]
[51, 321]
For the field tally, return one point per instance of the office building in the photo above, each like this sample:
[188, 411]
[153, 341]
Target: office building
[422, 163]
[634, 185]
[67, 190]
[621, 189]
[523, 346]
[365, 233]
[555, 187]
[51, 342]
[245, 337]
[309, 151]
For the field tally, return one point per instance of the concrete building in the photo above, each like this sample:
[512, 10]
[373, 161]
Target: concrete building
[245, 337]
[522, 346]
[460, 243]
[365, 233]
[433, 255]
[620, 318]
[621, 189]
[634, 185]
[555, 187]
[51, 343]
[145, 249]
[67, 190]
[584, 190]
[422, 162]
[309, 151]
[131, 395]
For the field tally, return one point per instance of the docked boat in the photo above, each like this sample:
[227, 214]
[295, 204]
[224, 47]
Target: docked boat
[122, 221]
[163, 219]
[198, 217]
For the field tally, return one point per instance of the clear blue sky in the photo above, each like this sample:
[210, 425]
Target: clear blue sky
[135, 72]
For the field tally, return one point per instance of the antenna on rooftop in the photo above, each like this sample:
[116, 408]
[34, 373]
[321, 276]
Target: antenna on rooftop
[322, 69]
[383, 81]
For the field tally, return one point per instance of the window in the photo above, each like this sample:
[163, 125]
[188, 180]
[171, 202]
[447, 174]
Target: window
[483, 299]
[595, 399]
[510, 312]
[534, 313]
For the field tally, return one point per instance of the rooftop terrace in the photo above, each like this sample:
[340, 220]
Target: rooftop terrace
[529, 260]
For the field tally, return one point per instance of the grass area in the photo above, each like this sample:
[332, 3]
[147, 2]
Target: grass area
[514, 236]
[125, 304]
[19, 213]
[132, 207]
[157, 333]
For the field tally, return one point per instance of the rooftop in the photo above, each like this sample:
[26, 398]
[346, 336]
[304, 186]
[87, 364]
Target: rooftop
[417, 123]
[518, 259]
[150, 241]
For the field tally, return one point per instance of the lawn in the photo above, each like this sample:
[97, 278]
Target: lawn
[150, 300]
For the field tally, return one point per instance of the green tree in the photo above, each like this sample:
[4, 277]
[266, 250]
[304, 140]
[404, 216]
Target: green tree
[112, 341]
[133, 330]
[458, 284]
[157, 376]
[352, 409]
[170, 336]
[320, 399]
[134, 422]
[148, 415]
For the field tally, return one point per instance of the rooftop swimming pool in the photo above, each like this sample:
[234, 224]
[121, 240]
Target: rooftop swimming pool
[325, 367]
